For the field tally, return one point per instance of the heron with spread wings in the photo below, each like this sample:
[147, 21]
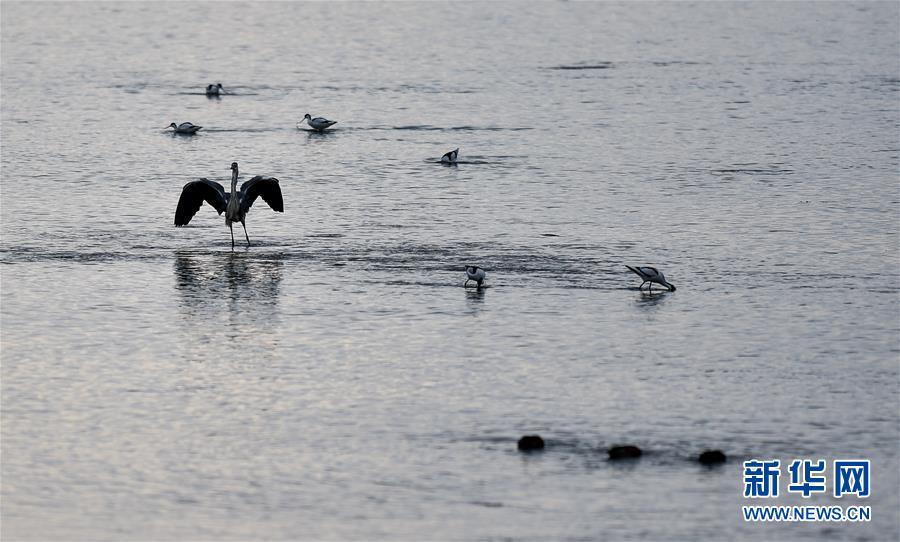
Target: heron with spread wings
[234, 204]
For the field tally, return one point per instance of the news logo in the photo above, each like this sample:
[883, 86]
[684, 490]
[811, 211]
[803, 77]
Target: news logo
[761, 478]
[849, 477]
[804, 479]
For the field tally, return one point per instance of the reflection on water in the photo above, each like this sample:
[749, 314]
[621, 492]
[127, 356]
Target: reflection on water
[475, 300]
[229, 305]
[476, 295]
[315, 134]
[246, 282]
[651, 299]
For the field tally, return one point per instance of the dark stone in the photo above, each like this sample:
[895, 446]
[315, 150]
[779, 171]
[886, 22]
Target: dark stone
[624, 452]
[712, 457]
[531, 442]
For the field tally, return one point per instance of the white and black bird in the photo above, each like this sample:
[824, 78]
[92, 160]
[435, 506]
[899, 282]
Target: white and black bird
[450, 157]
[234, 204]
[185, 128]
[473, 272]
[651, 275]
[215, 90]
[318, 123]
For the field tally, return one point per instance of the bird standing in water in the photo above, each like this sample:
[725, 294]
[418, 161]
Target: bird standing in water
[450, 157]
[651, 275]
[234, 204]
[474, 273]
[318, 123]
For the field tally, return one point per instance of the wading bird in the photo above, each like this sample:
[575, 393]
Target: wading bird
[474, 273]
[185, 128]
[450, 157]
[651, 275]
[234, 204]
[214, 90]
[319, 123]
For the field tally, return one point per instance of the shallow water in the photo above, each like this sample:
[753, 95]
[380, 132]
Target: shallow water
[334, 380]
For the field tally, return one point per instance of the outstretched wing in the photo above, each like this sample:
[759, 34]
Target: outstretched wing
[265, 187]
[194, 194]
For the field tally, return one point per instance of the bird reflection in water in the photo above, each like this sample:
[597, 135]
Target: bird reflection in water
[475, 299]
[647, 299]
[246, 283]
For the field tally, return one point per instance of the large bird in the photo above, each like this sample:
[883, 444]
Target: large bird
[234, 204]
[651, 275]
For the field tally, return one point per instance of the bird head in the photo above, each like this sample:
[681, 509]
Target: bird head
[306, 116]
[234, 166]
[173, 125]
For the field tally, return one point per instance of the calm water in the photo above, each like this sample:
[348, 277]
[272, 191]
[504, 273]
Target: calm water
[334, 380]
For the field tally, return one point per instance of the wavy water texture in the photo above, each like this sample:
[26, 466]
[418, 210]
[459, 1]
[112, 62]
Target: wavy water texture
[335, 380]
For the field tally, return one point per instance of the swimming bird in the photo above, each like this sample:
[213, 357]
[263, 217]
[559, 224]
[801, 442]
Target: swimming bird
[185, 128]
[475, 273]
[234, 204]
[319, 123]
[651, 275]
[450, 157]
[214, 90]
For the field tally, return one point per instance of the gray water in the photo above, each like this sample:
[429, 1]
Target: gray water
[335, 380]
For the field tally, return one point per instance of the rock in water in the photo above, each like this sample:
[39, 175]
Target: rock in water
[531, 442]
[624, 452]
[712, 457]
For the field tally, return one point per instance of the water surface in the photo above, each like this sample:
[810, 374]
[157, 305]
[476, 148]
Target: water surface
[335, 380]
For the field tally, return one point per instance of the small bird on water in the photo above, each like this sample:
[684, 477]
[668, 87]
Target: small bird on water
[214, 90]
[450, 157]
[475, 273]
[651, 275]
[234, 204]
[319, 123]
[185, 128]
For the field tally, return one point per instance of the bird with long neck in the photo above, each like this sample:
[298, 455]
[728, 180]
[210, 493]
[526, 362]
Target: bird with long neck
[233, 211]
[234, 204]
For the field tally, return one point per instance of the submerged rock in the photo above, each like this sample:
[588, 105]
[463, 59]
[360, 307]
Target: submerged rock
[712, 457]
[624, 452]
[531, 442]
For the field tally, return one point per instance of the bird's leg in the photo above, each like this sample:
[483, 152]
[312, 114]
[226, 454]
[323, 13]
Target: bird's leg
[466, 283]
[245, 232]
[232, 235]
